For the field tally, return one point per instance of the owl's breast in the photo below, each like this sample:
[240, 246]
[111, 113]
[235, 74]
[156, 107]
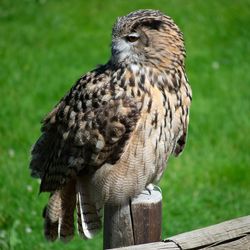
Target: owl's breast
[155, 135]
[158, 134]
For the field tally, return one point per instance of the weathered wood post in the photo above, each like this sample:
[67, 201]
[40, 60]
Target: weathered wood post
[134, 223]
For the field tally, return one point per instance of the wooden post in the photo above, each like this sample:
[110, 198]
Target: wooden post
[134, 223]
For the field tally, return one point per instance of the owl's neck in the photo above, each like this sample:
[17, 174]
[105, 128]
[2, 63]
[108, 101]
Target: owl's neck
[144, 76]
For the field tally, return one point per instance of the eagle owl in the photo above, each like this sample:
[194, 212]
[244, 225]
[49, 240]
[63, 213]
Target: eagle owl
[111, 135]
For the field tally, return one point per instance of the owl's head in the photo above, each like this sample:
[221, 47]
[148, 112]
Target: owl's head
[147, 37]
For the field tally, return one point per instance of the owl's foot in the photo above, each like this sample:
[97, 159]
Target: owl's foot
[150, 187]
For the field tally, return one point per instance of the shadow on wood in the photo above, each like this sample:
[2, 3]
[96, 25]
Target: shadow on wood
[136, 222]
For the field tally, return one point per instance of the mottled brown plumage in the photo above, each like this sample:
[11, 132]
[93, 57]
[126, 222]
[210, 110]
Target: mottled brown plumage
[113, 132]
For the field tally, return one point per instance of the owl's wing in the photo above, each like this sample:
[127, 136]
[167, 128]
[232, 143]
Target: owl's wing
[180, 143]
[87, 128]
[184, 98]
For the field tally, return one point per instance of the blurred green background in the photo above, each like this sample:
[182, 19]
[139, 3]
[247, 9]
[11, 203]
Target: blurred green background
[46, 45]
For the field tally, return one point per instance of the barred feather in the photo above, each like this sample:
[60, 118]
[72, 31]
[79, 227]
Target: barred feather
[68, 197]
[52, 214]
[59, 214]
[89, 219]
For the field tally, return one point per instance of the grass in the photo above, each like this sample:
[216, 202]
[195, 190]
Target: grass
[46, 45]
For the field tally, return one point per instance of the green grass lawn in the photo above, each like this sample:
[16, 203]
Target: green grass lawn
[46, 45]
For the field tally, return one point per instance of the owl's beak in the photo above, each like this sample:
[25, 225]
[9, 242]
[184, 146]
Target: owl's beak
[120, 49]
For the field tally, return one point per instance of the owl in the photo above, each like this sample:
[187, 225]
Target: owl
[111, 135]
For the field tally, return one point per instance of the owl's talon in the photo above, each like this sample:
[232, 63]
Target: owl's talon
[150, 188]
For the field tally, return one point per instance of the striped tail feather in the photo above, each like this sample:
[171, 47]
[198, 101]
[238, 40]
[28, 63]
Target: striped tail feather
[88, 212]
[59, 214]
[52, 214]
[66, 225]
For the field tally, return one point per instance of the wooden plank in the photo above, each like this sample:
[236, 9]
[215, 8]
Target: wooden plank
[225, 231]
[233, 235]
[240, 244]
[134, 223]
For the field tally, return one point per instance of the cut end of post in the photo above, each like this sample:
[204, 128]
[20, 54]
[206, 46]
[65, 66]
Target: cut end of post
[152, 195]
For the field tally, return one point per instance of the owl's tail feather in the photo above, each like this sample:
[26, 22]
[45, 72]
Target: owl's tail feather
[51, 214]
[88, 212]
[59, 214]
[66, 225]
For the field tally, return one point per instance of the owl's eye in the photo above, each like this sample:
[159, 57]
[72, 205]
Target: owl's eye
[132, 38]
